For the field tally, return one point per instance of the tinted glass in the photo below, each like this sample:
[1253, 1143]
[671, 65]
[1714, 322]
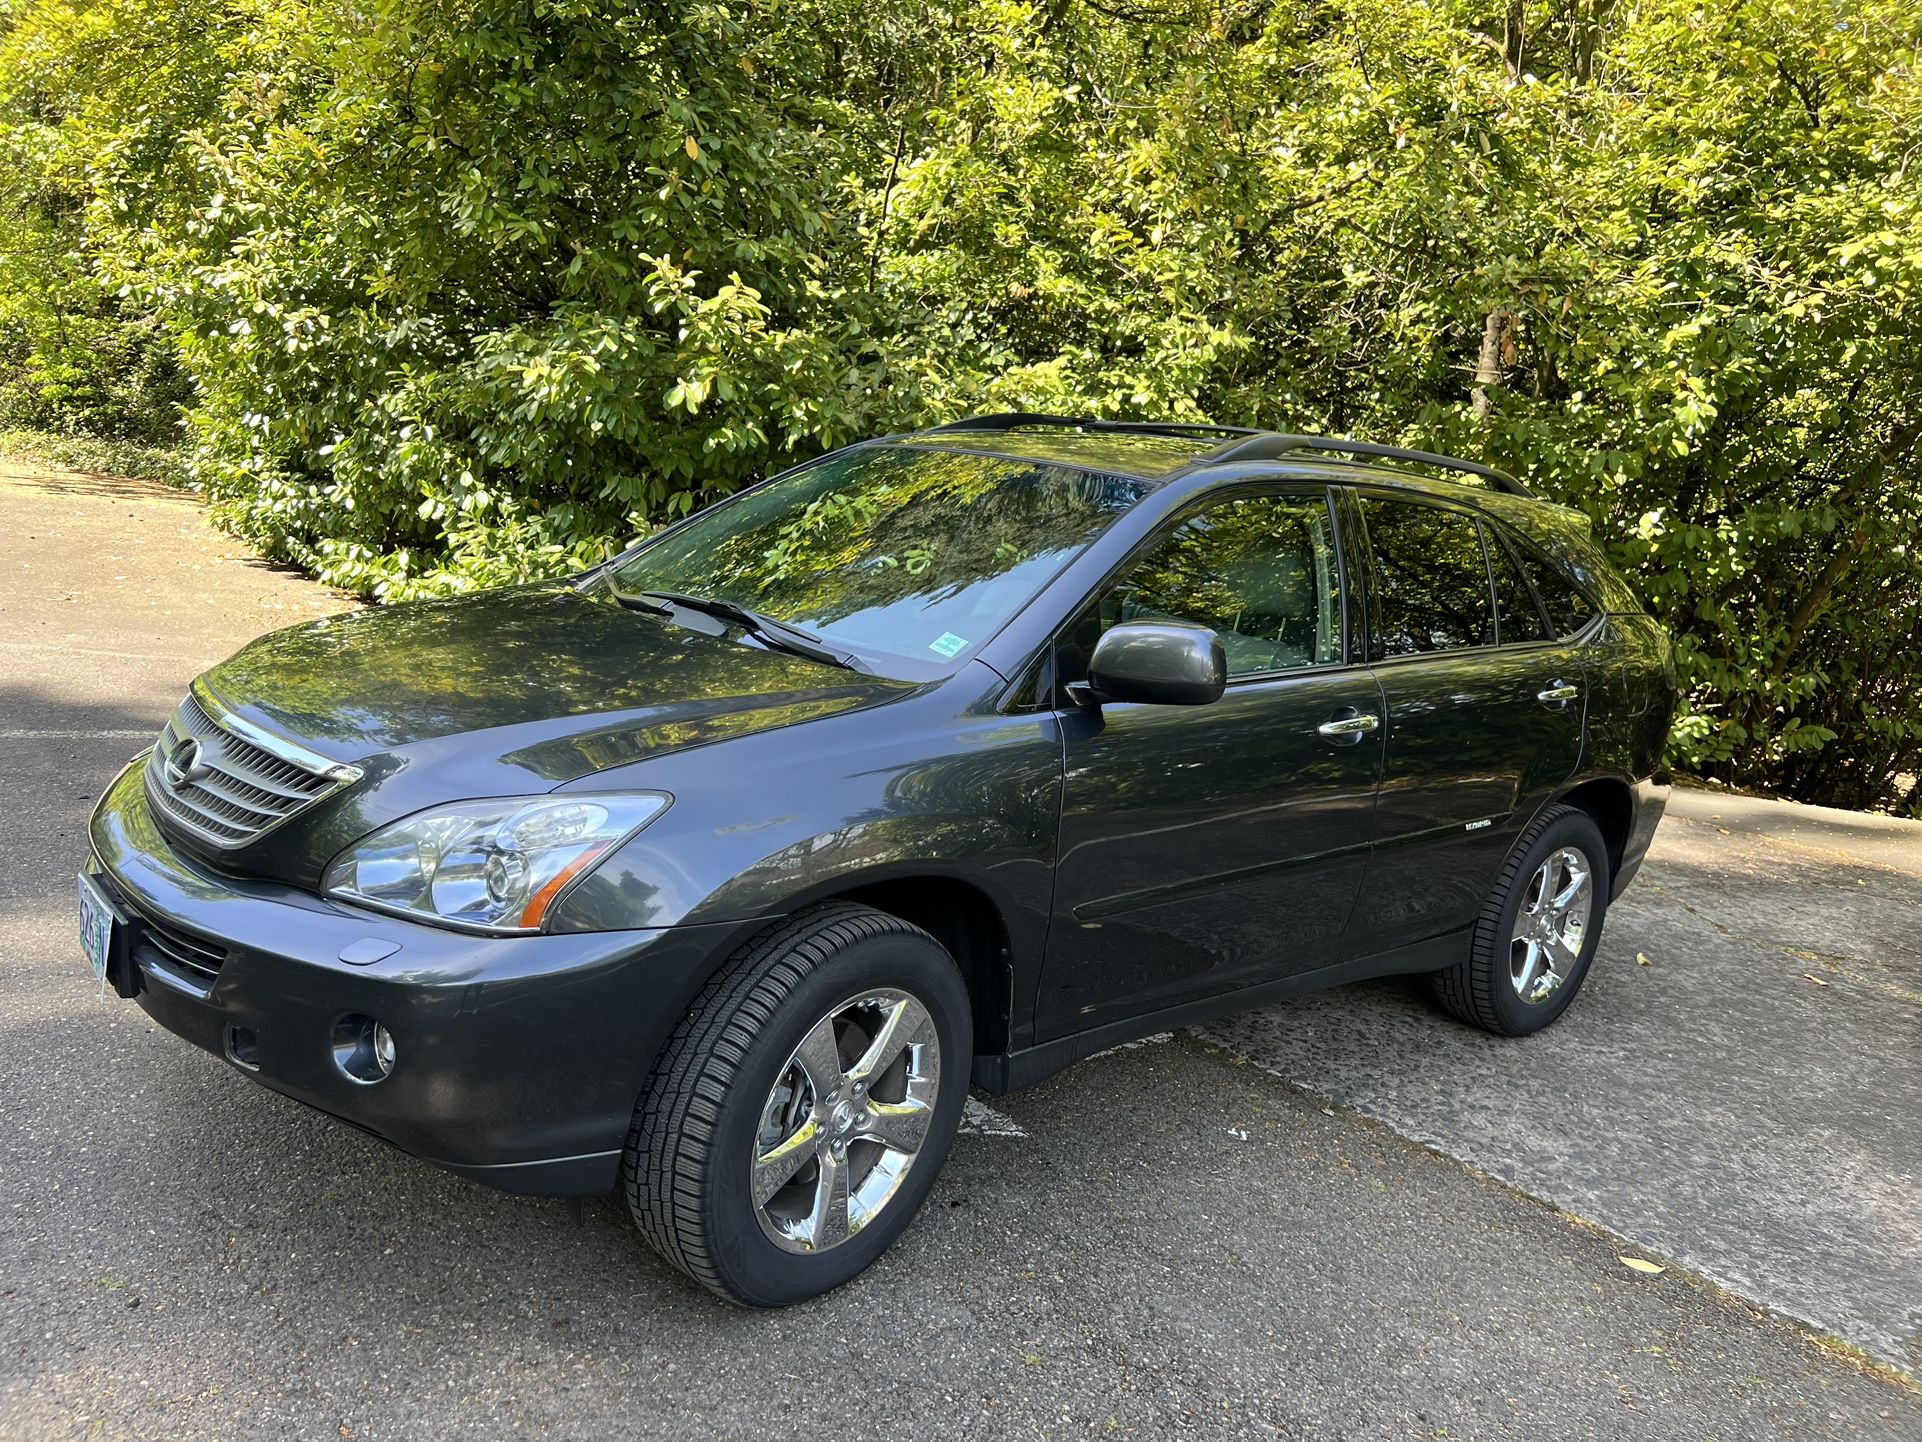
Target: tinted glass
[1433, 579]
[1260, 571]
[1565, 539]
[1568, 609]
[909, 558]
[1521, 618]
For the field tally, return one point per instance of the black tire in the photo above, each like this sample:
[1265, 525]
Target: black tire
[1482, 989]
[691, 1148]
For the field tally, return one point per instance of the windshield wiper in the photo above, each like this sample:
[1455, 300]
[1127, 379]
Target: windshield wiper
[778, 634]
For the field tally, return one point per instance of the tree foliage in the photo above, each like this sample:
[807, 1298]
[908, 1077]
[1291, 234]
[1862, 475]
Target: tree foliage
[454, 292]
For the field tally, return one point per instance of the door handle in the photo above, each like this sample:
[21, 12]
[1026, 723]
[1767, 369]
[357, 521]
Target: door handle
[1349, 727]
[1559, 693]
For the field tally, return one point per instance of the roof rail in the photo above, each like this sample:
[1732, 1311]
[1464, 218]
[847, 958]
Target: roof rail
[1008, 420]
[1265, 447]
[1241, 443]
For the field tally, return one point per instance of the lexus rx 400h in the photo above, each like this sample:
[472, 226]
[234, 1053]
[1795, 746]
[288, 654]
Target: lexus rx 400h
[719, 873]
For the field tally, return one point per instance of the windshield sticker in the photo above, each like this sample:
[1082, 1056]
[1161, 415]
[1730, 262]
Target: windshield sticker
[948, 644]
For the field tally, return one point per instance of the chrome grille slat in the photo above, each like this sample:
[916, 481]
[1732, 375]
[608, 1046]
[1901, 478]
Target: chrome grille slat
[266, 772]
[192, 960]
[288, 788]
[184, 954]
[239, 788]
[264, 803]
[210, 805]
[242, 757]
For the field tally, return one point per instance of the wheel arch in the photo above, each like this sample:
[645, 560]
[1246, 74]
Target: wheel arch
[1609, 802]
[960, 912]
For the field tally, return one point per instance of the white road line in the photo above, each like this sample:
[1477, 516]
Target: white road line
[145, 733]
[981, 1120]
[1156, 1040]
[64, 649]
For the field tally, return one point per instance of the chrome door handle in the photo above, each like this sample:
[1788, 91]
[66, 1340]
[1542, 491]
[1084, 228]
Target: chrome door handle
[1558, 693]
[1350, 725]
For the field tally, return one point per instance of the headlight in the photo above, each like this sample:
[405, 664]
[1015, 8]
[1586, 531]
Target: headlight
[489, 865]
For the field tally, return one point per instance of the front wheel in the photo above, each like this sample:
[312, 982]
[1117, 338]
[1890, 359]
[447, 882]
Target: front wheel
[796, 1121]
[1538, 930]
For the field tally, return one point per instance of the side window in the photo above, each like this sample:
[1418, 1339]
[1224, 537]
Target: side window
[1568, 609]
[1260, 571]
[1433, 592]
[1515, 608]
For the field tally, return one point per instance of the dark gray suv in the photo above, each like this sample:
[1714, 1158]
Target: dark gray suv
[717, 874]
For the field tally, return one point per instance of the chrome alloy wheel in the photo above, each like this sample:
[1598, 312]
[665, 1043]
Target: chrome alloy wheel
[1551, 925]
[845, 1120]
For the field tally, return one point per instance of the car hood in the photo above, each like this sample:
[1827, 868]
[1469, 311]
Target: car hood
[561, 681]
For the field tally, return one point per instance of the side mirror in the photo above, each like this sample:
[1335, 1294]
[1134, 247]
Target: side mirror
[1159, 663]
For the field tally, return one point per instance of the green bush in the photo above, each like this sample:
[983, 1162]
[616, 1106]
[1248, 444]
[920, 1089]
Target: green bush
[450, 296]
[94, 453]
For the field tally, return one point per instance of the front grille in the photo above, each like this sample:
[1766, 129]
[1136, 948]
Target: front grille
[190, 958]
[233, 788]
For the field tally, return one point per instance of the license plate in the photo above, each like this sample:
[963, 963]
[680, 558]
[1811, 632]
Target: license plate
[97, 922]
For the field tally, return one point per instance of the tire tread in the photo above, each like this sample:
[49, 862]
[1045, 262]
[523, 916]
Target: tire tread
[669, 1150]
[1466, 989]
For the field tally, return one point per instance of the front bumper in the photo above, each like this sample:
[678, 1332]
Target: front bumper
[519, 1059]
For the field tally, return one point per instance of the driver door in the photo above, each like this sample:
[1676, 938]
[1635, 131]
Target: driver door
[1206, 848]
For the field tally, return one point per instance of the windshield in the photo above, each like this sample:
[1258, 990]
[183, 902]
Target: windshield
[909, 558]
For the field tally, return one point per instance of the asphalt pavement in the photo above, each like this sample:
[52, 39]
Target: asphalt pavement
[1739, 1086]
[1266, 1231]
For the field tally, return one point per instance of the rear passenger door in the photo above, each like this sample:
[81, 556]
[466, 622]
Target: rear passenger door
[1484, 708]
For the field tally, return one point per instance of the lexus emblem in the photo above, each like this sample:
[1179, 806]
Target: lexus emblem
[183, 763]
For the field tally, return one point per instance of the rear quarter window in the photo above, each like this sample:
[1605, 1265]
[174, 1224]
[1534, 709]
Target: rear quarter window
[1568, 609]
[1563, 537]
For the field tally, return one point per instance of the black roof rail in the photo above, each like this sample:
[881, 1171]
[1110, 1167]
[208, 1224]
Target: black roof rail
[1266, 447]
[1240, 443]
[1008, 420]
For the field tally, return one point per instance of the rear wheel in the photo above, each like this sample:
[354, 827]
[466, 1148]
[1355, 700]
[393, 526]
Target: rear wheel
[799, 1115]
[1538, 930]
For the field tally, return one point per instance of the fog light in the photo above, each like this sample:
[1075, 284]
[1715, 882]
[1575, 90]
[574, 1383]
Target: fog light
[363, 1049]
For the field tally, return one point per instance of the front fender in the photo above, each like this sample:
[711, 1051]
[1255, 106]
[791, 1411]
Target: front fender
[756, 830]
